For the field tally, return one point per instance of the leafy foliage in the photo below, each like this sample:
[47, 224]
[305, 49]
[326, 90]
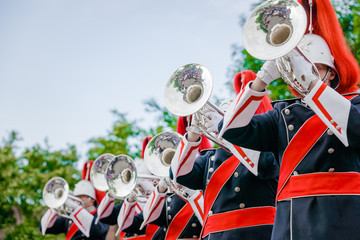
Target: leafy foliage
[166, 120]
[22, 179]
[119, 139]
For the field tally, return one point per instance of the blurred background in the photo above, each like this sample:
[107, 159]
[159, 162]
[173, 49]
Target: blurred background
[83, 78]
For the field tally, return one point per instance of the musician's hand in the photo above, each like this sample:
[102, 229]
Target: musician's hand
[268, 72]
[194, 125]
[212, 121]
[162, 186]
[71, 204]
[131, 198]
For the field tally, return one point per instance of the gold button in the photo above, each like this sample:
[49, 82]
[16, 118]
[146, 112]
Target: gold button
[211, 170]
[332, 121]
[164, 229]
[210, 213]
[194, 236]
[212, 158]
[329, 132]
[291, 127]
[237, 189]
[337, 127]
[287, 111]
[169, 217]
[168, 208]
[236, 174]
[331, 169]
[295, 173]
[169, 199]
[193, 225]
[242, 205]
[331, 150]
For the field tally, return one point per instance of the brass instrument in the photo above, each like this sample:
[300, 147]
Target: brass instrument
[55, 193]
[158, 155]
[274, 29]
[160, 151]
[98, 171]
[187, 92]
[123, 179]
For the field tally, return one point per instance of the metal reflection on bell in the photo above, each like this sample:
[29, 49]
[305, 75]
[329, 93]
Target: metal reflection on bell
[274, 28]
[276, 21]
[55, 192]
[121, 176]
[188, 89]
[160, 151]
[98, 171]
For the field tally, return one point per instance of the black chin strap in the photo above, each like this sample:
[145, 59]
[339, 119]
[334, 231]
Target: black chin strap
[327, 75]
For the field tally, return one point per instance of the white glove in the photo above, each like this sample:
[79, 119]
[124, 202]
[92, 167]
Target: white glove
[194, 126]
[303, 70]
[71, 203]
[162, 185]
[268, 72]
[212, 120]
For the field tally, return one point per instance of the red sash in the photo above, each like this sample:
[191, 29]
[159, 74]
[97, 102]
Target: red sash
[217, 181]
[299, 146]
[323, 183]
[149, 233]
[179, 222]
[239, 218]
[74, 228]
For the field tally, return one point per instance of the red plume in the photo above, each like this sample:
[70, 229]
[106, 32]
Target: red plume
[241, 79]
[145, 142]
[326, 25]
[86, 176]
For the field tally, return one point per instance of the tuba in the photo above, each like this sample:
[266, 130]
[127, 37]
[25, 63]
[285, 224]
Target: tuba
[55, 193]
[98, 171]
[123, 179]
[274, 29]
[187, 92]
[160, 151]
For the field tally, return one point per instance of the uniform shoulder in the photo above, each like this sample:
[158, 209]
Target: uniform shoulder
[208, 150]
[355, 97]
[285, 102]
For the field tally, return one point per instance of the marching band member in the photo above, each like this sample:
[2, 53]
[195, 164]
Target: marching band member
[316, 138]
[177, 213]
[130, 226]
[86, 176]
[237, 204]
[81, 223]
[129, 217]
[128, 213]
[174, 212]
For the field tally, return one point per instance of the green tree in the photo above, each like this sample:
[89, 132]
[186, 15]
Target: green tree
[22, 179]
[126, 136]
[118, 140]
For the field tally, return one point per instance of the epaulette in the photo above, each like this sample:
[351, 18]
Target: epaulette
[354, 93]
[204, 151]
[289, 101]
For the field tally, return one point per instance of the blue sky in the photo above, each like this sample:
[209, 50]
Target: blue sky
[65, 64]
